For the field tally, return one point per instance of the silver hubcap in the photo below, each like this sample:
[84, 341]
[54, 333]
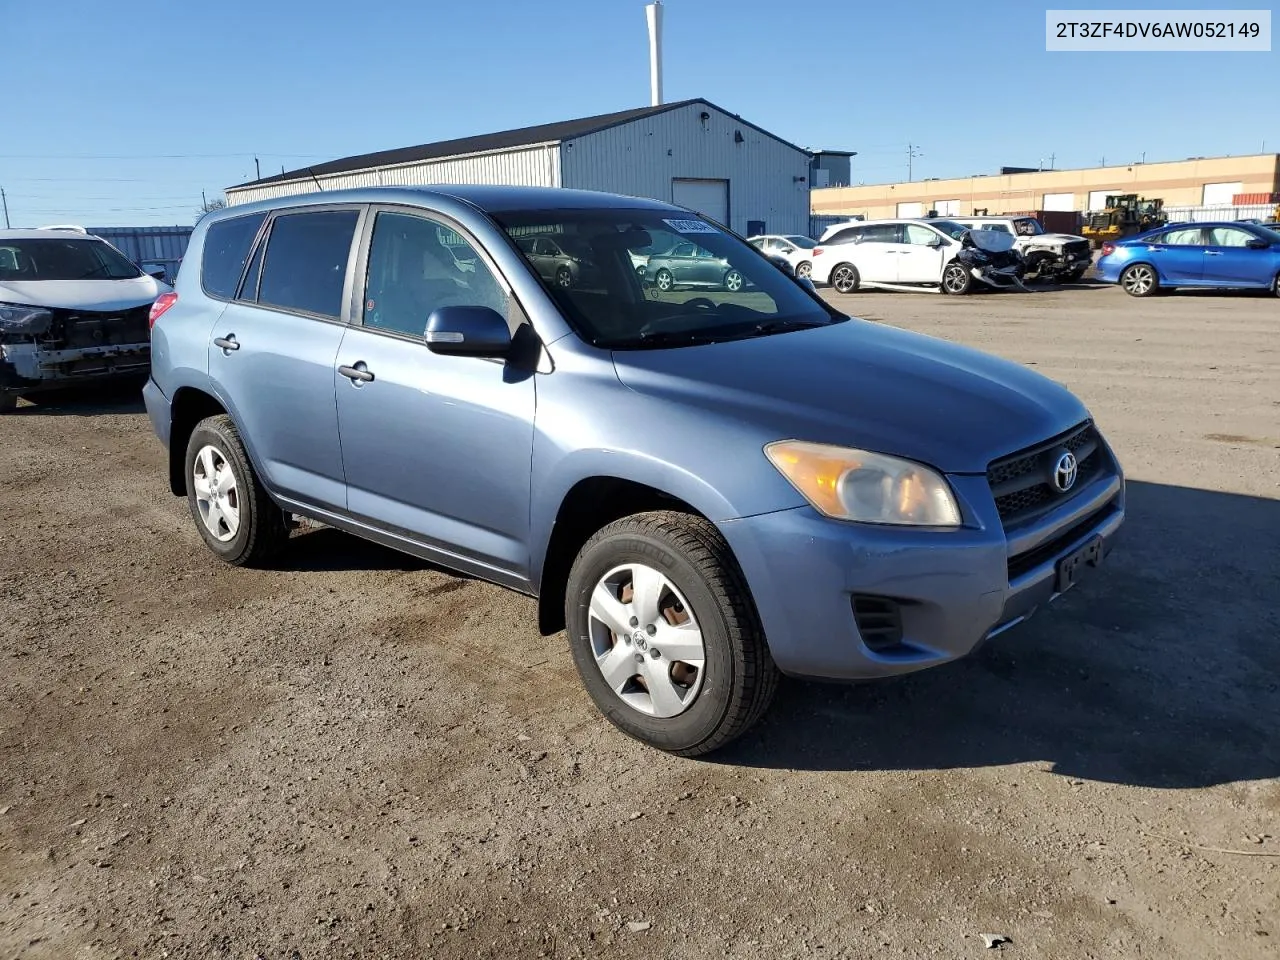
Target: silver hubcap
[804, 270]
[565, 278]
[733, 281]
[217, 496]
[843, 280]
[1139, 280]
[954, 279]
[664, 281]
[646, 641]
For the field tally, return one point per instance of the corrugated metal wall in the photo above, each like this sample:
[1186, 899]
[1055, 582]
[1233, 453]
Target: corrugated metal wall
[1256, 211]
[535, 166]
[146, 243]
[642, 157]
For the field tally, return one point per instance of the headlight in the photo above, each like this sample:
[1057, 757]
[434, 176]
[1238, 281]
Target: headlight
[23, 320]
[848, 484]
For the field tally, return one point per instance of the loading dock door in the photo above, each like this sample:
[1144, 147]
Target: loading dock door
[708, 197]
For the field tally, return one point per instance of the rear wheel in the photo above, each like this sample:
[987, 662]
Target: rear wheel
[664, 633]
[956, 279]
[1140, 280]
[1275, 285]
[845, 278]
[804, 270]
[239, 522]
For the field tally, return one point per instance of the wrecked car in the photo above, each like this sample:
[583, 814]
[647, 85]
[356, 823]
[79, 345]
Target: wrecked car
[914, 254]
[1055, 257]
[73, 310]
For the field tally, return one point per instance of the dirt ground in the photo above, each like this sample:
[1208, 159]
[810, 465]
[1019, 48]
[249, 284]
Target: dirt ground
[355, 755]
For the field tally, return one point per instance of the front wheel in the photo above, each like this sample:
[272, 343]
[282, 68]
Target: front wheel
[665, 635]
[664, 280]
[1140, 280]
[733, 281]
[564, 278]
[1075, 275]
[1275, 285]
[844, 278]
[8, 402]
[956, 279]
[804, 270]
[239, 522]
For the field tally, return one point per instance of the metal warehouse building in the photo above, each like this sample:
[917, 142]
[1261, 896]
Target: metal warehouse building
[691, 153]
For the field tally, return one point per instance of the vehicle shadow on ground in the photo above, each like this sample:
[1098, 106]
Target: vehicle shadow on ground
[314, 549]
[1163, 670]
[82, 402]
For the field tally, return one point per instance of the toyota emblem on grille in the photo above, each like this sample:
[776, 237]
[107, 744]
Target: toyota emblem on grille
[1064, 472]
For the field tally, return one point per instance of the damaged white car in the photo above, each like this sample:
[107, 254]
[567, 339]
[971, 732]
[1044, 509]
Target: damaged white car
[73, 310]
[915, 255]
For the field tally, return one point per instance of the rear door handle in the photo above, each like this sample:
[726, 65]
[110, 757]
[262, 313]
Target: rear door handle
[227, 343]
[357, 374]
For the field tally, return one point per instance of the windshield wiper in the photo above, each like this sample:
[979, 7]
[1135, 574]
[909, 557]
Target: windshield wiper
[782, 326]
[669, 338]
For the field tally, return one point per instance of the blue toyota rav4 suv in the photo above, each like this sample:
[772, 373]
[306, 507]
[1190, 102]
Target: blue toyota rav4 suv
[706, 488]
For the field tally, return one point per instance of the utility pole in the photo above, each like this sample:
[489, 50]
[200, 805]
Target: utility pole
[5, 201]
[911, 155]
[1103, 161]
[256, 169]
[204, 201]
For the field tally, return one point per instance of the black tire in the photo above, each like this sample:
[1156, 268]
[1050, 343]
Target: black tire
[1140, 280]
[1275, 285]
[263, 526]
[740, 676]
[956, 279]
[733, 281]
[664, 280]
[1075, 275]
[804, 269]
[564, 278]
[8, 401]
[844, 278]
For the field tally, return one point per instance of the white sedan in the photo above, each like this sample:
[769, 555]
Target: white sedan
[795, 249]
[914, 255]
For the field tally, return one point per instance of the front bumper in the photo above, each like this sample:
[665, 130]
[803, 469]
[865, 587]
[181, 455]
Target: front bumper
[954, 589]
[30, 367]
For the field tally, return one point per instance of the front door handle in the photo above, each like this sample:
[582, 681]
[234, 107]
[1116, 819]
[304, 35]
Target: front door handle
[227, 343]
[357, 374]
[1213, 253]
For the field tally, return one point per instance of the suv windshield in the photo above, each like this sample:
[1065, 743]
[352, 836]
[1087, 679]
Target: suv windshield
[63, 259]
[649, 280]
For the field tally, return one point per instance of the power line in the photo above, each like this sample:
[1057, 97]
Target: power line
[154, 156]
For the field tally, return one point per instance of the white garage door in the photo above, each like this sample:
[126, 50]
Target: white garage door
[911, 209]
[708, 197]
[1059, 201]
[1098, 198]
[947, 208]
[1221, 194]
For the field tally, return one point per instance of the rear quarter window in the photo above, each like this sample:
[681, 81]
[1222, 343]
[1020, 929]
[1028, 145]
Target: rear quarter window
[226, 247]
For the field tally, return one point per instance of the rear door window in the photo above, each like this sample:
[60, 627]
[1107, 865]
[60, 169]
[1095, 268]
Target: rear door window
[305, 267]
[851, 235]
[1185, 237]
[226, 247]
[883, 233]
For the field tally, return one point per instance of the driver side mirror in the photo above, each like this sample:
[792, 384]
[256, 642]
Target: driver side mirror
[156, 273]
[937, 242]
[468, 332]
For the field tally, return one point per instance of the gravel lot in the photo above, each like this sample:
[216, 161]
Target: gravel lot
[356, 755]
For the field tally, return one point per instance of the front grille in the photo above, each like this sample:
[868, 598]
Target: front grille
[1022, 484]
[1025, 562]
[75, 329]
[879, 621]
[1076, 248]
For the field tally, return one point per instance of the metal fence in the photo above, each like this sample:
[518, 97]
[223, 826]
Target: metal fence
[1258, 211]
[820, 222]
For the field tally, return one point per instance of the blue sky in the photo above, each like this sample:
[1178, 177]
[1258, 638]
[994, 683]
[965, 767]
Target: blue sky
[123, 113]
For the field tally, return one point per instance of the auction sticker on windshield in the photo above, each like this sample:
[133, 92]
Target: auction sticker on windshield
[690, 226]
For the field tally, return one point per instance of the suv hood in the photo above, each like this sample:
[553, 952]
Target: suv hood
[1057, 239]
[862, 384]
[83, 294]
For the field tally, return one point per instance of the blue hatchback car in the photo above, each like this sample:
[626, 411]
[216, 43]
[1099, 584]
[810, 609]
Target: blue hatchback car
[707, 488]
[1229, 254]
